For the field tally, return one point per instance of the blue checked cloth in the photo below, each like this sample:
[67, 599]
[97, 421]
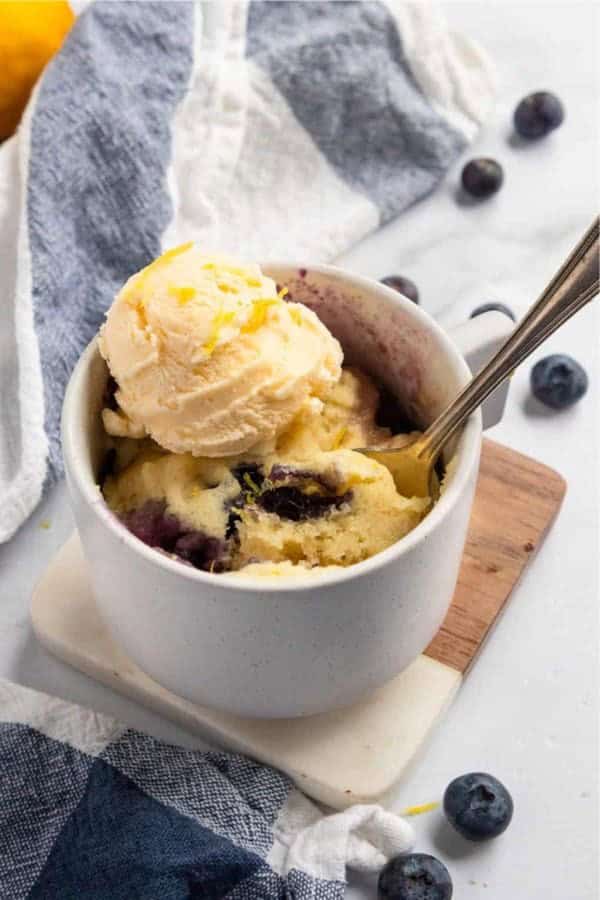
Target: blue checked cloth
[266, 129]
[91, 810]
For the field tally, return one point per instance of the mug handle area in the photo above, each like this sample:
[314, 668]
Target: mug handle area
[478, 339]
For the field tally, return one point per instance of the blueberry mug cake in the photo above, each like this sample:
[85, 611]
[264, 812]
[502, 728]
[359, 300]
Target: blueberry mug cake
[231, 423]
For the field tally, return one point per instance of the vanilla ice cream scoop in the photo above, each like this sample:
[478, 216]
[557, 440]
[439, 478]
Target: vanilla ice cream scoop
[209, 358]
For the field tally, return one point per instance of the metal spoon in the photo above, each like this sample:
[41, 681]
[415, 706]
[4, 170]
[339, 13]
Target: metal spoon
[574, 285]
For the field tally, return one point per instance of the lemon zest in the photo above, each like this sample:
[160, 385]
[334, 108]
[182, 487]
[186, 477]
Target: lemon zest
[164, 258]
[296, 315]
[221, 319]
[420, 809]
[337, 441]
[168, 255]
[183, 293]
[45, 524]
[281, 293]
[259, 313]
[139, 280]
[251, 482]
[227, 288]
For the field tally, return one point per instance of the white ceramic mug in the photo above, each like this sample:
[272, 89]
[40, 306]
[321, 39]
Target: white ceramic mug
[278, 648]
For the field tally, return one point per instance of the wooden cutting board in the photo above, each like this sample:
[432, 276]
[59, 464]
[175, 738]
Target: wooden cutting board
[354, 755]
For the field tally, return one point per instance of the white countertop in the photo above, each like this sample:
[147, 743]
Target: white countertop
[528, 710]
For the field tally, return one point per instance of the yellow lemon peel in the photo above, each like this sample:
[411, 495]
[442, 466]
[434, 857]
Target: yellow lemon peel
[139, 281]
[420, 809]
[182, 293]
[221, 319]
[296, 315]
[337, 441]
[259, 313]
[227, 288]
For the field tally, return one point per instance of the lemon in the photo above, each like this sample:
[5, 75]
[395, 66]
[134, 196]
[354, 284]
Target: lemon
[30, 33]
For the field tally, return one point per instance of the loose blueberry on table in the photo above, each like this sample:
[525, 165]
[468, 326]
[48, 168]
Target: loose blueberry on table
[558, 381]
[482, 177]
[538, 114]
[478, 806]
[415, 876]
[403, 285]
[493, 307]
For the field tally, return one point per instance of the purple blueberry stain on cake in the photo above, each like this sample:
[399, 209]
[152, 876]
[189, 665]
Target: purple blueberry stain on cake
[202, 551]
[300, 493]
[291, 503]
[153, 525]
[107, 466]
[109, 399]
[161, 530]
[390, 414]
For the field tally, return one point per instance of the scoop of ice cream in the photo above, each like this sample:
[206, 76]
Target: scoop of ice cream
[209, 358]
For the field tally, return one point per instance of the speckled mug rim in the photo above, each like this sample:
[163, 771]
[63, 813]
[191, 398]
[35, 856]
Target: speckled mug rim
[79, 467]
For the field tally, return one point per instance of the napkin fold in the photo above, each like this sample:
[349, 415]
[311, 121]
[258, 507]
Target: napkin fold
[92, 809]
[267, 129]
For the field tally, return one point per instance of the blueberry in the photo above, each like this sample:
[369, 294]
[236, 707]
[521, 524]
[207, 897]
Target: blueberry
[107, 466]
[478, 806]
[109, 400]
[558, 381]
[403, 286]
[153, 525]
[202, 551]
[415, 876]
[292, 503]
[482, 177]
[538, 114]
[390, 414]
[233, 520]
[494, 307]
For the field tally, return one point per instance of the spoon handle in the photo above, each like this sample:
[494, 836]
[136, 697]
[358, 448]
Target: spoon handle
[574, 285]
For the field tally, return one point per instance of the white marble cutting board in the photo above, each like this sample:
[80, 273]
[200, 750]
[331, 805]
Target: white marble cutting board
[340, 758]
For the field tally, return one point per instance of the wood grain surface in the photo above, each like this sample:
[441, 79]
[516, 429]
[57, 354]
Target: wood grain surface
[516, 501]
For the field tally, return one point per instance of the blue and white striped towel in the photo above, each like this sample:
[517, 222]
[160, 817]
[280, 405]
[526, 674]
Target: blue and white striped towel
[269, 129]
[90, 810]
